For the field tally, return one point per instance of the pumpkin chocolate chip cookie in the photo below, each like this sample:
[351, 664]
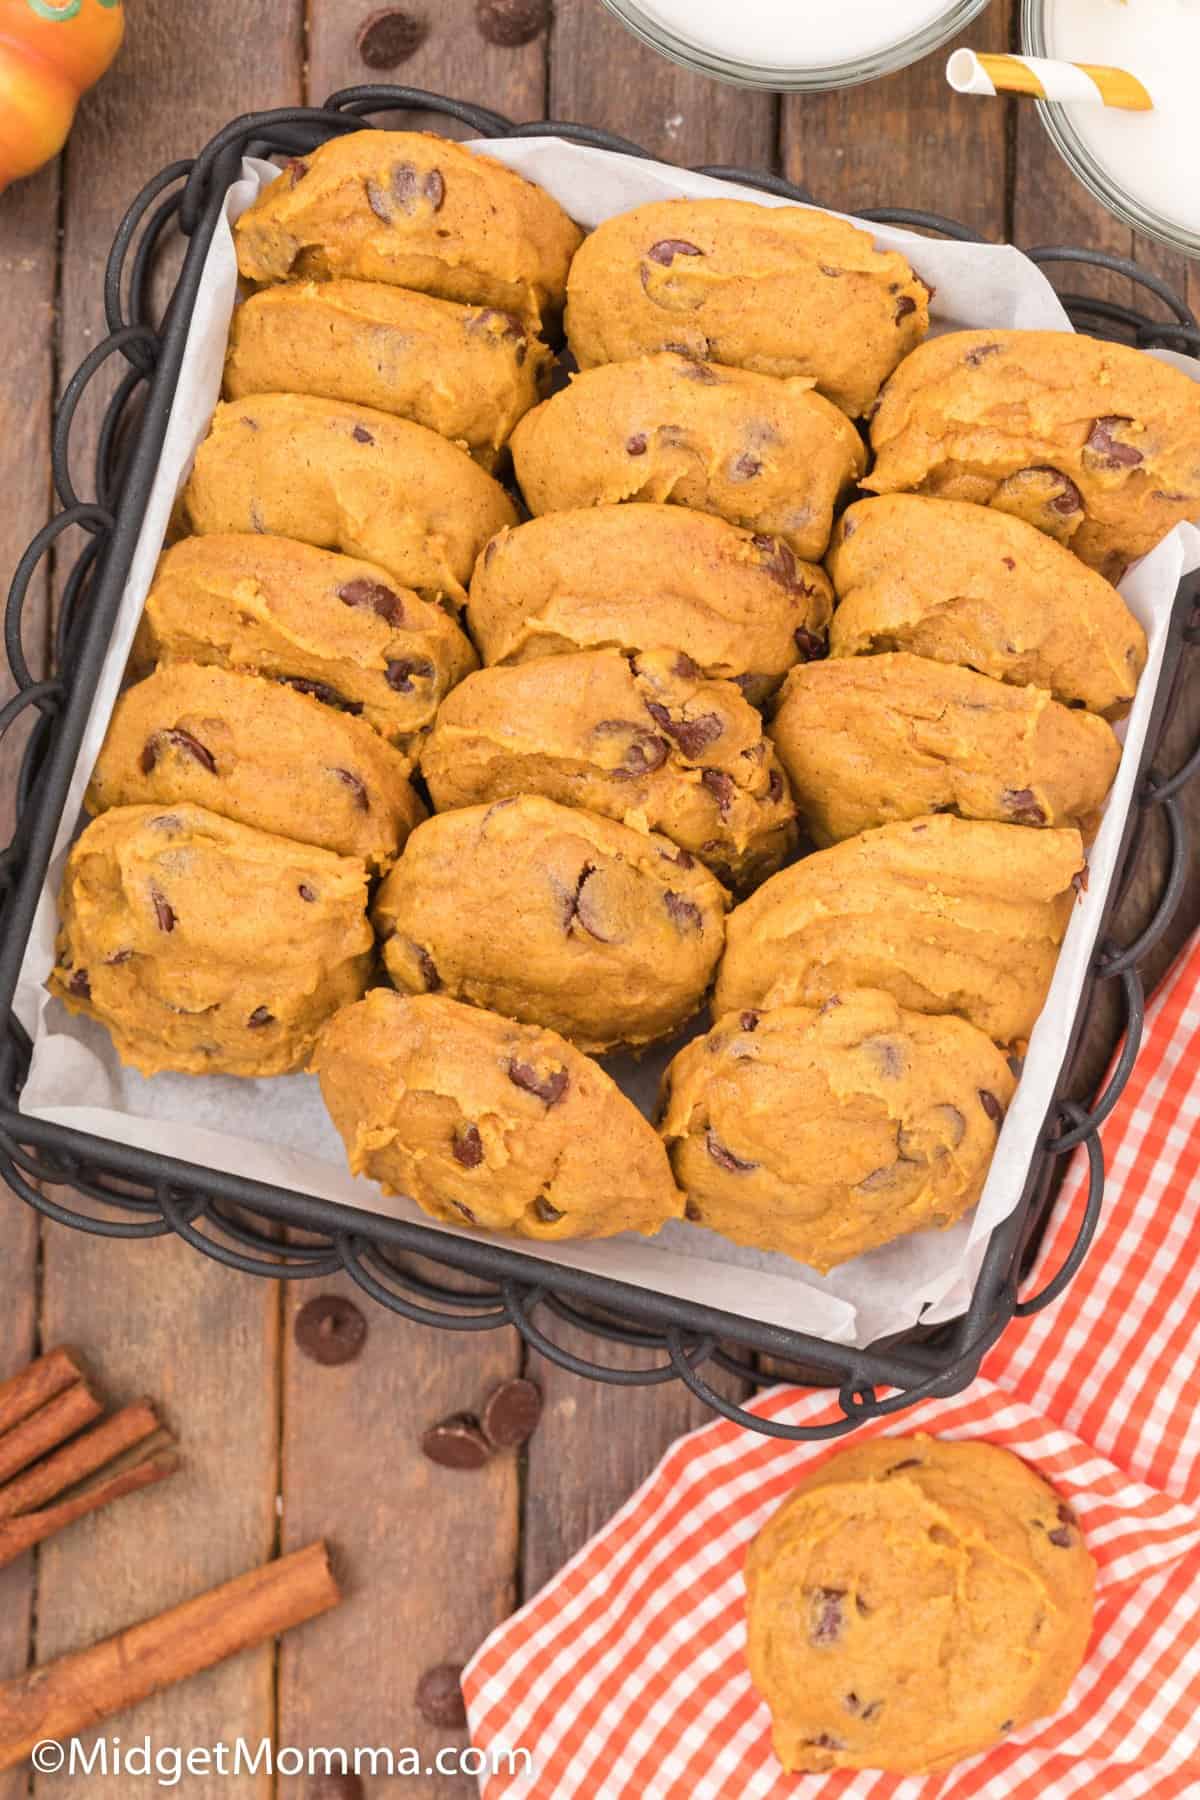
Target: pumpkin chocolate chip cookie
[966, 584]
[333, 626]
[825, 1133]
[347, 478]
[488, 1123]
[947, 915]
[416, 211]
[207, 947]
[913, 1602]
[645, 739]
[875, 738]
[769, 455]
[782, 290]
[1094, 443]
[559, 918]
[466, 372]
[737, 603]
[260, 753]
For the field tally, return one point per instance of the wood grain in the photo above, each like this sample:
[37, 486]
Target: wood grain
[907, 140]
[454, 59]
[160, 1319]
[28, 260]
[429, 1554]
[601, 75]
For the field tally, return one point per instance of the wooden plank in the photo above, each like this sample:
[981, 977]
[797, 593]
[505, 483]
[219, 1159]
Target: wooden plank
[601, 75]
[454, 59]
[428, 1555]
[28, 256]
[202, 1341]
[159, 1318]
[906, 140]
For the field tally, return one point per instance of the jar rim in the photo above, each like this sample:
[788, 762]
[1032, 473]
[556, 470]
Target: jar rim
[819, 78]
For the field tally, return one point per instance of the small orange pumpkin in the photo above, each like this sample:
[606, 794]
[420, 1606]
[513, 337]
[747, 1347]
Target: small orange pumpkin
[51, 51]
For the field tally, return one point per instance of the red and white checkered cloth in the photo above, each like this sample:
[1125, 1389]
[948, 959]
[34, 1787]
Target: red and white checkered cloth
[625, 1678]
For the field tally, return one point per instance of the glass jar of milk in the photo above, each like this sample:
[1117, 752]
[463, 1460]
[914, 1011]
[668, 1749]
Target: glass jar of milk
[791, 45]
[1143, 166]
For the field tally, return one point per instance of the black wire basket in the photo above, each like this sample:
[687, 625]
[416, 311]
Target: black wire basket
[266, 1230]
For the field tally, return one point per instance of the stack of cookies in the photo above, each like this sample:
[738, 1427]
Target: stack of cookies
[630, 711]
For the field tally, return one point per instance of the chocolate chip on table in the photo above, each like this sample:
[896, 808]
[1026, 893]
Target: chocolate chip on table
[467, 1146]
[724, 1157]
[330, 1330]
[388, 38]
[826, 1616]
[548, 1088]
[510, 23]
[180, 740]
[991, 1106]
[456, 1443]
[511, 1414]
[375, 597]
[439, 1697]
[331, 1786]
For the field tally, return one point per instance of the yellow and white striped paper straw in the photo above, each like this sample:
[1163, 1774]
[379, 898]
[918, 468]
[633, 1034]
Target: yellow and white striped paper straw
[1045, 79]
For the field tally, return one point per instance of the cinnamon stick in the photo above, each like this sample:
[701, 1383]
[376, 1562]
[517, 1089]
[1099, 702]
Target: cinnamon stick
[79, 1459]
[21, 1534]
[47, 1428]
[66, 1697]
[40, 1382]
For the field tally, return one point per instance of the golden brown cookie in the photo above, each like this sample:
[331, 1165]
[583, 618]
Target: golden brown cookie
[948, 915]
[204, 946]
[645, 739]
[487, 1123]
[348, 478]
[1094, 443]
[966, 584]
[466, 372]
[873, 738]
[260, 753]
[782, 290]
[770, 455]
[335, 627]
[825, 1133]
[416, 211]
[644, 577]
[912, 1602]
[555, 917]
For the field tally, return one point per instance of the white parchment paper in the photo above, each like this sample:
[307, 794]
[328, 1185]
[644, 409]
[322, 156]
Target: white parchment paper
[277, 1131]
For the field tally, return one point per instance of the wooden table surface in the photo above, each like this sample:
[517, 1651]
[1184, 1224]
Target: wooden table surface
[278, 1448]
